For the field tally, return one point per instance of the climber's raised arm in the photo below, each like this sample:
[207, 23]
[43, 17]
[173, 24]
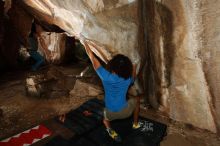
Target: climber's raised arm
[95, 62]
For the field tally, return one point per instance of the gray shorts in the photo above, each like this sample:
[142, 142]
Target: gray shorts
[124, 113]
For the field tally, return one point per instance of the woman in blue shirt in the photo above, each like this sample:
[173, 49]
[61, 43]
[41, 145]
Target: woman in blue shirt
[116, 79]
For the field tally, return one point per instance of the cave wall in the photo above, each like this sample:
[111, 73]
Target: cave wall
[9, 43]
[176, 47]
[1, 28]
[209, 13]
[21, 21]
[102, 22]
[53, 46]
[16, 24]
[182, 37]
[189, 92]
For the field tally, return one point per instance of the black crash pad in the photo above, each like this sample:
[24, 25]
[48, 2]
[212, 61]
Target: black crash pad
[90, 131]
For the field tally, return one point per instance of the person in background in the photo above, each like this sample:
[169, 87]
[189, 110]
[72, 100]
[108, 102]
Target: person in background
[116, 79]
[33, 47]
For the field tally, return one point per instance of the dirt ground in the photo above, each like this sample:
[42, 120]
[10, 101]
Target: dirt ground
[20, 112]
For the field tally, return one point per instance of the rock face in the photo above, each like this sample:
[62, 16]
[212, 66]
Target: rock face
[53, 46]
[9, 44]
[209, 31]
[103, 22]
[180, 46]
[176, 47]
[1, 113]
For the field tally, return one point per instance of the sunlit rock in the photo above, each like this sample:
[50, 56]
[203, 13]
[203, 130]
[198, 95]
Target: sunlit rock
[175, 74]
[112, 26]
[53, 46]
[34, 86]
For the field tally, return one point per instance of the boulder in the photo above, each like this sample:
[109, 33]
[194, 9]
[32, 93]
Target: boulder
[175, 43]
[52, 46]
[82, 89]
[49, 84]
[34, 86]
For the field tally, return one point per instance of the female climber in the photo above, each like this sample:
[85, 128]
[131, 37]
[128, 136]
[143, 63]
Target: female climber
[116, 79]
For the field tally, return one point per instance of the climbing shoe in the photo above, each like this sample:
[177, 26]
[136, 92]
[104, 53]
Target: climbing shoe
[136, 126]
[114, 135]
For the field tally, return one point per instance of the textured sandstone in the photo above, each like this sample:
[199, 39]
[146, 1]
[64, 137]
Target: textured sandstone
[175, 42]
[176, 46]
[105, 29]
[53, 46]
[210, 51]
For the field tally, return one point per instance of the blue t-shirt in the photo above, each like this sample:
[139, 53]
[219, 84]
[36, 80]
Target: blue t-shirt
[115, 89]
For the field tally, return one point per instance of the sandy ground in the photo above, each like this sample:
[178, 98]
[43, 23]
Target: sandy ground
[21, 112]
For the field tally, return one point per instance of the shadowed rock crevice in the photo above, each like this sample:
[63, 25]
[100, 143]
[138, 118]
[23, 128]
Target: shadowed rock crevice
[159, 50]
